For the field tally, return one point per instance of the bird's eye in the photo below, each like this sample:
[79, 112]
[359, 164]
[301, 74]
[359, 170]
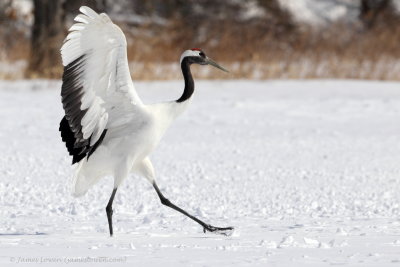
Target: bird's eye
[202, 54]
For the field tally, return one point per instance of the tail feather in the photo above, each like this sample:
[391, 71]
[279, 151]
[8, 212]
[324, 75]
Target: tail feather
[78, 187]
[84, 178]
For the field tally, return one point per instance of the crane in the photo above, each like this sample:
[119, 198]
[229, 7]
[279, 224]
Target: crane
[107, 129]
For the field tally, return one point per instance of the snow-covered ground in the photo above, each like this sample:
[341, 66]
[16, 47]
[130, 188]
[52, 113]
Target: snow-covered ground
[307, 171]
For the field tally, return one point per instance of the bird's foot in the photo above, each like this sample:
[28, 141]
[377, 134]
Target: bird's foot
[226, 231]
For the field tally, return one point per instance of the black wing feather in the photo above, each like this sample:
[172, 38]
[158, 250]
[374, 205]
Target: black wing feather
[70, 126]
[68, 137]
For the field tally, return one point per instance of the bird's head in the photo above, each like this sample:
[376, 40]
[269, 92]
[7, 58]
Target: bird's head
[197, 56]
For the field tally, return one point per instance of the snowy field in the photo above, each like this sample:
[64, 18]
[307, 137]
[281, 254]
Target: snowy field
[307, 172]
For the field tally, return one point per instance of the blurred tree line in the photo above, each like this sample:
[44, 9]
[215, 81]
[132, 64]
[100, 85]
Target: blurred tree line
[50, 20]
[158, 30]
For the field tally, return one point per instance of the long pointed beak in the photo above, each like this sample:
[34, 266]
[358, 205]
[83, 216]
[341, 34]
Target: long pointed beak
[215, 64]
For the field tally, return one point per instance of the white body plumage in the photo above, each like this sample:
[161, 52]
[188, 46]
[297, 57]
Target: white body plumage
[125, 149]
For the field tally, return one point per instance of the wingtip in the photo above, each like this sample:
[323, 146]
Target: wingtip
[88, 11]
[84, 9]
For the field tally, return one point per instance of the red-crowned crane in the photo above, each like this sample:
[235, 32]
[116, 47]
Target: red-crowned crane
[107, 129]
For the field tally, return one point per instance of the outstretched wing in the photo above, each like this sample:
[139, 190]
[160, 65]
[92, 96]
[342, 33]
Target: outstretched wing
[96, 82]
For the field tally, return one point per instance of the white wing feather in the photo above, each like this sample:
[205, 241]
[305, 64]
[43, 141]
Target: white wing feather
[105, 79]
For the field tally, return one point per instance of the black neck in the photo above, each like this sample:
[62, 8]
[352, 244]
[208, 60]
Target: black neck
[189, 83]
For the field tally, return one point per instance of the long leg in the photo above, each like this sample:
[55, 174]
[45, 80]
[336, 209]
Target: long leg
[206, 227]
[109, 210]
